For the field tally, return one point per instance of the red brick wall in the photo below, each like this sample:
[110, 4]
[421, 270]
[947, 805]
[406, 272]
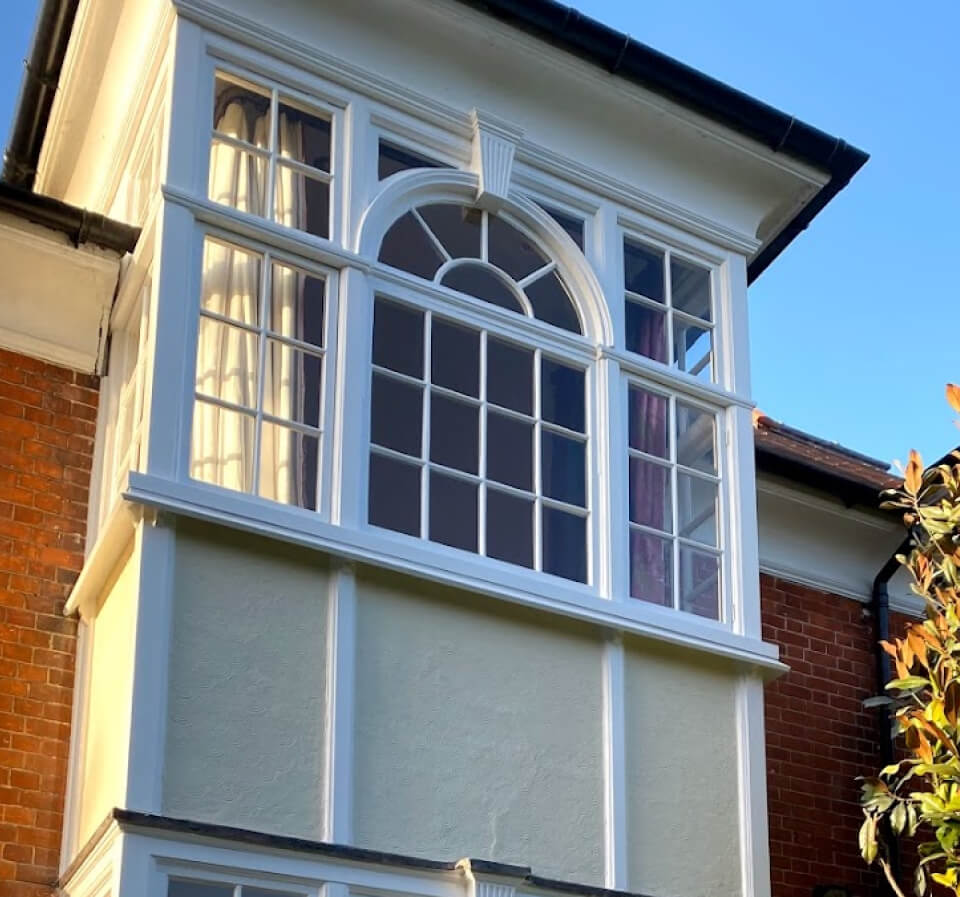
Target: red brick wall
[819, 737]
[47, 419]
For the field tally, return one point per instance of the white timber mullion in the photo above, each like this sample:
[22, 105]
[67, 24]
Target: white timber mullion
[341, 670]
[155, 545]
[752, 768]
[614, 766]
[78, 740]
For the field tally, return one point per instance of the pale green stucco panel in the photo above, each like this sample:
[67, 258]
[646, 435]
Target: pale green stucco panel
[246, 724]
[681, 774]
[479, 731]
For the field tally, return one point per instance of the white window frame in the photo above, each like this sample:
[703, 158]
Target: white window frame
[529, 333]
[361, 109]
[329, 353]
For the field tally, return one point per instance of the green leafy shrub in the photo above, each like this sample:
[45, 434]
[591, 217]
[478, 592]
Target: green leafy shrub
[919, 796]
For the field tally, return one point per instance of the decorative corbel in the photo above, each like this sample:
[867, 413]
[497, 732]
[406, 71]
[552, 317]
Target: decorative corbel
[494, 146]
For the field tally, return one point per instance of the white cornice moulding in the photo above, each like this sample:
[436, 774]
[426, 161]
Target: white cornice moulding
[379, 549]
[534, 157]
[494, 147]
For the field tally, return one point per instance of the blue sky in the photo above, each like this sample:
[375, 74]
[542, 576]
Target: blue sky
[854, 330]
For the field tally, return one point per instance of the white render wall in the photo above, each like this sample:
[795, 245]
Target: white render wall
[246, 721]
[479, 731]
[681, 774]
[106, 718]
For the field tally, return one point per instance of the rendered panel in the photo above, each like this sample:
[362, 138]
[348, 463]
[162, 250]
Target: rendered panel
[681, 774]
[110, 687]
[478, 731]
[246, 722]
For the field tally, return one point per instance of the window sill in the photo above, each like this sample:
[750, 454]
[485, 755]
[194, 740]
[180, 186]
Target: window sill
[378, 548]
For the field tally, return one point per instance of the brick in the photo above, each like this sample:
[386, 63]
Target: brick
[47, 416]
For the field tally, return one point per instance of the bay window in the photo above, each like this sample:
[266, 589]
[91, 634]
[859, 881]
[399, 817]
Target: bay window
[475, 404]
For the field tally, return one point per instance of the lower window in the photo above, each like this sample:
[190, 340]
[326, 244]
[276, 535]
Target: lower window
[477, 442]
[674, 498]
[186, 887]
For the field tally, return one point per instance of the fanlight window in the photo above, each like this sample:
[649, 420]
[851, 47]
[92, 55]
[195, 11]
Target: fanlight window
[482, 255]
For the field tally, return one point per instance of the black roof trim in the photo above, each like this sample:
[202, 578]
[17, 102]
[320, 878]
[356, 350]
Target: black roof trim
[135, 819]
[618, 53]
[848, 490]
[78, 224]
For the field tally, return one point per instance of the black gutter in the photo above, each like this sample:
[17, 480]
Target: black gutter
[78, 224]
[619, 54]
[41, 77]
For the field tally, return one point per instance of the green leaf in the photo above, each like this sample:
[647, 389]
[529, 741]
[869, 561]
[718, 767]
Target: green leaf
[898, 818]
[868, 839]
[909, 683]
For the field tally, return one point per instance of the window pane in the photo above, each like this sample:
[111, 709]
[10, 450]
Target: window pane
[551, 303]
[303, 137]
[561, 395]
[649, 415]
[301, 202]
[221, 447]
[510, 250]
[227, 363]
[572, 225]
[237, 179]
[181, 888]
[482, 283]
[396, 415]
[509, 376]
[564, 544]
[398, 338]
[406, 246]
[651, 568]
[231, 282]
[456, 227]
[646, 331]
[643, 270]
[696, 438]
[394, 499]
[289, 463]
[240, 110]
[262, 892]
[650, 499]
[455, 358]
[296, 305]
[393, 158]
[291, 384]
[697, 508]
[509, 528]
[454, 433]
[699, 583]
[563, 470]
[510, 450]
[693, 348]
[690, 289]
[453, 511]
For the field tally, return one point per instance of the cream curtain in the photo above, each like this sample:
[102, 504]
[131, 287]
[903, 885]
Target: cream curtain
[227, 357]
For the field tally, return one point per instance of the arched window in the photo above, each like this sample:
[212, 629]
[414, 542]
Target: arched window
[482, 255]
[479, 434]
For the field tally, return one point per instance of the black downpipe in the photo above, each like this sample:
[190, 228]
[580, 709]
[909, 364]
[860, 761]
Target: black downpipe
[37, 91]
[880, 608]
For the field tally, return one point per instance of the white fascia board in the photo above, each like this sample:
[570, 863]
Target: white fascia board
[55, 297]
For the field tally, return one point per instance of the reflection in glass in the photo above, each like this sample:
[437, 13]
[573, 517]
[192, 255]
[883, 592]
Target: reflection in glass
[564, 544]
[697, 508]
[455, 358]
[650, 500]
[454, 433]
[646, 330]
[482, 283]
[456, 227]
[696, 438]
[509, 376]
[651, 568]
[699, 583]
[394, 497]
[398, 338]
[453, 511]
[561, 395]
[509, 528]
[395, 415]
[408, 247]
[690, 289]
[510, 250]
[510, 450]
[643, 270]
[551, 304]
[649, 422]
[693, 348]
[563, 468]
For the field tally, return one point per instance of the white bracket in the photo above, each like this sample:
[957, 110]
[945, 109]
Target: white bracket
[494, 146]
